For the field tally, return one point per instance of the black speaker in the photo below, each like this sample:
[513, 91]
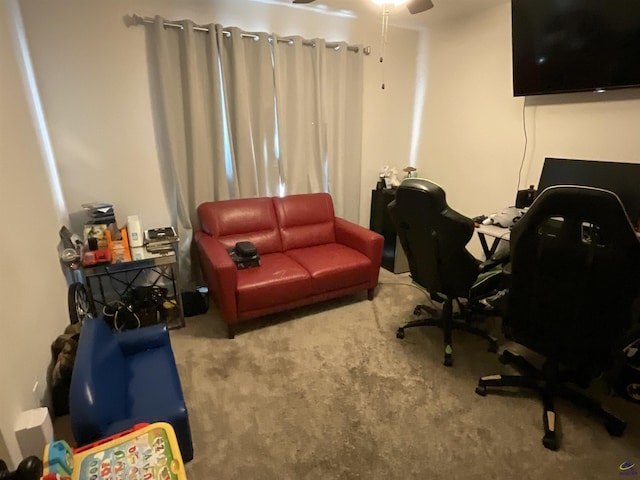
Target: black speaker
[194, 303]
[524, 198]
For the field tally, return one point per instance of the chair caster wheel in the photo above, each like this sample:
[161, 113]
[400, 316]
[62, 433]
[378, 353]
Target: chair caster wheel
[400, 333]
[493, 346]
[448, 360]
[481, 390]
[615, 427]
[550, 441]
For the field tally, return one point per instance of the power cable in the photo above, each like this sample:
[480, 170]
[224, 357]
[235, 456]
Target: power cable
[526, 140]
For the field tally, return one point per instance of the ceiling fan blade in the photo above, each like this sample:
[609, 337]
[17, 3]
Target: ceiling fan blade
[303, 1]
[419, 6]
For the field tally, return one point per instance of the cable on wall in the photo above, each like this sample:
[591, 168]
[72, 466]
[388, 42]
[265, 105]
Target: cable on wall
[526, 140]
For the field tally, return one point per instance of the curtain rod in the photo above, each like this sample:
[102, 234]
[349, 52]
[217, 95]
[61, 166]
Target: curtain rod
[138, 20]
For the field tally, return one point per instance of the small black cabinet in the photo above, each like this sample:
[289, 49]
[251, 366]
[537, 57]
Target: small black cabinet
[393, 256]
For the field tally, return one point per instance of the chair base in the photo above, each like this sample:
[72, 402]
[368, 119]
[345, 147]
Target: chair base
[447, 322]
[549, 382]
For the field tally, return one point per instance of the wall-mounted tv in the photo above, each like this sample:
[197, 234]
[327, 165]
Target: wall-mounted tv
[563, 46]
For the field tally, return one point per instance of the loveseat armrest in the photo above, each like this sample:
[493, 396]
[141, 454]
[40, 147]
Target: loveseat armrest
[220, 274]
[365, 241]
[141, 339]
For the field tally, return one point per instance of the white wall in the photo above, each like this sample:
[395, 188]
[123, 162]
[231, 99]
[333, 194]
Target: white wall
[472, 137]
[472, 133]
[92, 72]
[33, 290]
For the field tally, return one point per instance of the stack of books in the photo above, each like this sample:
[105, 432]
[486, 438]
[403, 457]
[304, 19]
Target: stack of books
[160, 240]
[100, 213]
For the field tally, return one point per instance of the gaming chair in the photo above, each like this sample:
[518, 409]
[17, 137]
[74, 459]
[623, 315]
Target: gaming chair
[434, 238]
[575, 271]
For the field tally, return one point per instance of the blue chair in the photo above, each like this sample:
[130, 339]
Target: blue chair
[121, 379]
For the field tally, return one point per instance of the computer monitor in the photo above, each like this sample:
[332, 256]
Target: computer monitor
[623, 179]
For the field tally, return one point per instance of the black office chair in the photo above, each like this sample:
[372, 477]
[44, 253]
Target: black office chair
[575, 264]
[434, 238]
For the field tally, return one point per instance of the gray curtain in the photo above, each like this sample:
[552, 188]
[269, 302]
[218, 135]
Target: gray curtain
[242, 115]
[342, 101]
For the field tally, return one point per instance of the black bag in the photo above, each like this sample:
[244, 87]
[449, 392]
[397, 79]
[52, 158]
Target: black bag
[245, 249]
[245, 255]
[194, 303]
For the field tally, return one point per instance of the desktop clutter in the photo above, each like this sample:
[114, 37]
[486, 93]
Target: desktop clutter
[507, 217]
[103, 241]
[388, 176]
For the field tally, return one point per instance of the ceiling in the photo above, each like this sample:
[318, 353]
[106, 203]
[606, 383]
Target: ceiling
[443, 10]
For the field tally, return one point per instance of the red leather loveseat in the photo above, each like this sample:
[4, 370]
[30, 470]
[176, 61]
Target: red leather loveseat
[307, 254]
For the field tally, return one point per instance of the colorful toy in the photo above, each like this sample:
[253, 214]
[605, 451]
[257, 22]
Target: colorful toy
[146, 452]
[58, 458]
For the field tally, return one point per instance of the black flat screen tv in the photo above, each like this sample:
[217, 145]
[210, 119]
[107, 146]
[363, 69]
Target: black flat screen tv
[623, 179]
[561, 46]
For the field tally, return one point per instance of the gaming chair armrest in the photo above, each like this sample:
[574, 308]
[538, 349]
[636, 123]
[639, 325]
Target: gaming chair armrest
[488, 265]
[489, 282]
[491, 263]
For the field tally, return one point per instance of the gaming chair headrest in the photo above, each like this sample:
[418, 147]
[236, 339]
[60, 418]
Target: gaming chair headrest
[577, 205]
[422, 190]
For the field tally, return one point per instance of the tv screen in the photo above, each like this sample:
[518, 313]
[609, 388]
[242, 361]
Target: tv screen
[574, 45]
[623, 179]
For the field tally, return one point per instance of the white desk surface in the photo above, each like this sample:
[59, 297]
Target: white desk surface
[503, 233]
[494, 231]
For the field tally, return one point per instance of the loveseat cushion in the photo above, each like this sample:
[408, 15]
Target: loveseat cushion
[278, 280]
[333, 266]
[305, 220]
[248, 219]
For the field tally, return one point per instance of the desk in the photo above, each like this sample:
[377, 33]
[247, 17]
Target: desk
[393, 256]
[123, 277]
[495, 232]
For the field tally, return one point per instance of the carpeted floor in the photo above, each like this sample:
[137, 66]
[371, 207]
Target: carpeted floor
[328, 392]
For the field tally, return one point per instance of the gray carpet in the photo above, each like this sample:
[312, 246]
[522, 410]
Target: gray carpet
[328, 392]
